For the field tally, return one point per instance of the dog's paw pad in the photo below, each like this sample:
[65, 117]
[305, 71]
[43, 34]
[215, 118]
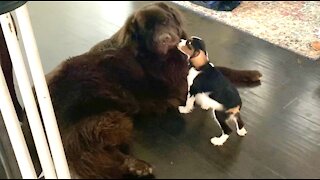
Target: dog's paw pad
[219, 141]
[138, 168]
[184, 110]
[242, 132]
[205, 107]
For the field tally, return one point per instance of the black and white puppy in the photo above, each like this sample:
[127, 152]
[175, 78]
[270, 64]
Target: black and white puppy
[211, 90]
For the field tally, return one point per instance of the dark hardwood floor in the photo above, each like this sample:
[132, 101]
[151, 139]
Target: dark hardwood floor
[282, 115]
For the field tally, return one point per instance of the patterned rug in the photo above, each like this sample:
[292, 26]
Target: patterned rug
[292, 25]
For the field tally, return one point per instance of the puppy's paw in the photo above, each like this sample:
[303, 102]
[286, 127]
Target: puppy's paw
[184, 110]
[242, 132]
[205, 106]
[219, 141]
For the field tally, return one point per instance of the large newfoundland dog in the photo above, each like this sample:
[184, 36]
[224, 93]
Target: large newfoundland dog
[96, 95]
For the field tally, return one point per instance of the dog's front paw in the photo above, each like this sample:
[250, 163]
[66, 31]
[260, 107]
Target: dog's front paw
[205, 106]
[242, 132]
[138, 168]
[184, 110]
[219, 141]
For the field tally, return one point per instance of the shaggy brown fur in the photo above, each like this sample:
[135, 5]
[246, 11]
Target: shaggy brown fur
[137, 71]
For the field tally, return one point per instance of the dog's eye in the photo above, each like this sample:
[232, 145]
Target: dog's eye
[189, 46]
[189, 42]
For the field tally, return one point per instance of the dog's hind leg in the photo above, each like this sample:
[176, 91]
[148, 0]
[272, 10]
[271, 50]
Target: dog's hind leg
[95, 148]
[221, 117]
[241, 131]
[234, 114]
[206, 102]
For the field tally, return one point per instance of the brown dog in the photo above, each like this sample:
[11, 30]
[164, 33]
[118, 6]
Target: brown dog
[95, 95]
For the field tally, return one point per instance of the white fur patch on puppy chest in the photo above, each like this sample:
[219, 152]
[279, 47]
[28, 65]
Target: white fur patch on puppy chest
[193, 73]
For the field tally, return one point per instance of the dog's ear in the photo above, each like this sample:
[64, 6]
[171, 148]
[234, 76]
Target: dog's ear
[203, 46]
[128, 32]
[179, 20]
[162, 5]
[176, 14]
[198, 43]
[133, 28]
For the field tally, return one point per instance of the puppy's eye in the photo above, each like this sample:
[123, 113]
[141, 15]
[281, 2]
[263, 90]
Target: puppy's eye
[189, 46]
